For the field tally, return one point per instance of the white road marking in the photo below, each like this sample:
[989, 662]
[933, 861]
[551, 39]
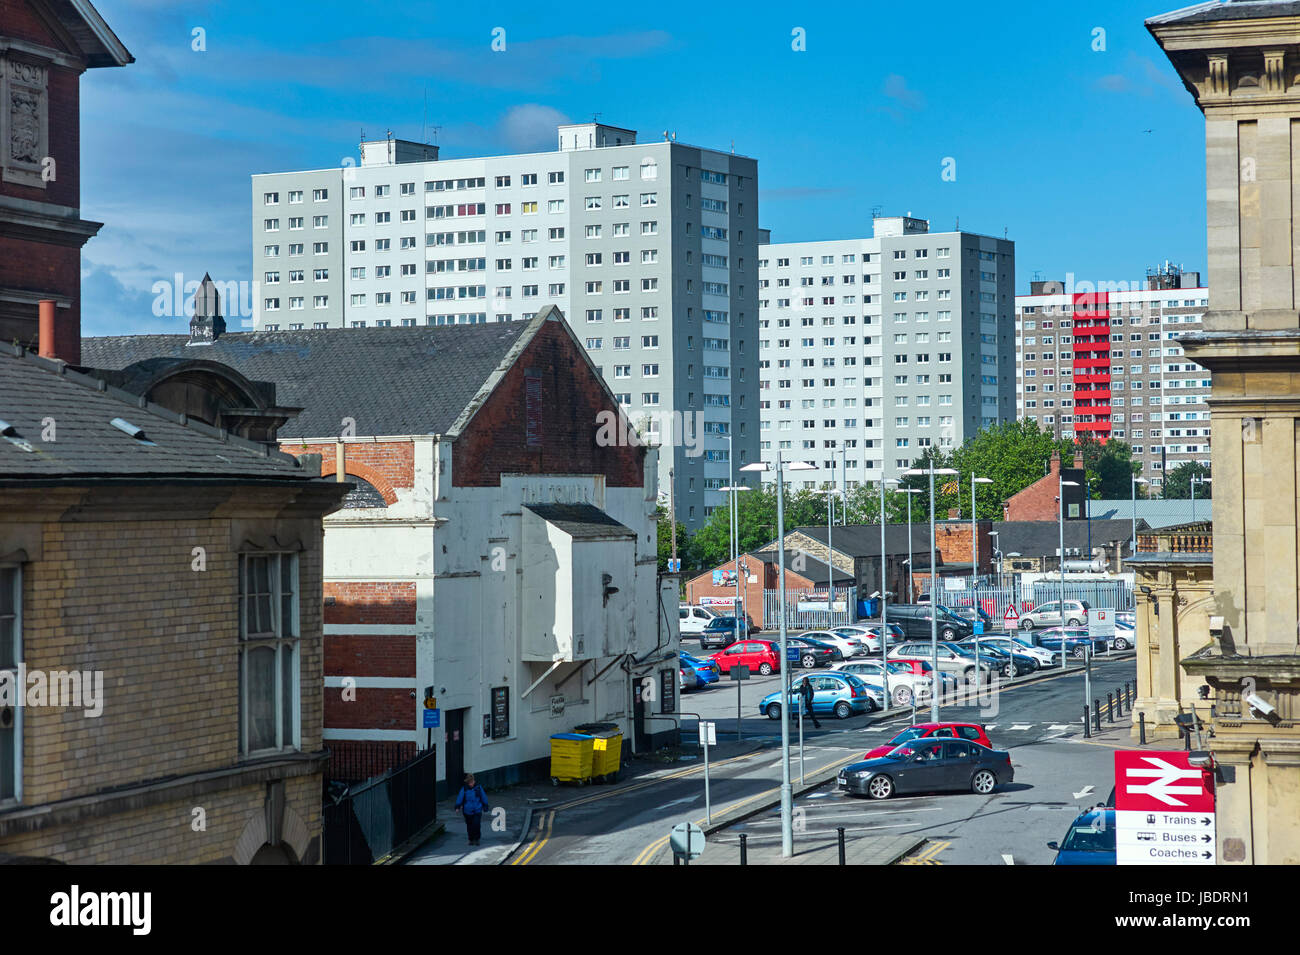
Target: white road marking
[680, 802]
[1058, 726]
[1021, 726]
[1008, 859]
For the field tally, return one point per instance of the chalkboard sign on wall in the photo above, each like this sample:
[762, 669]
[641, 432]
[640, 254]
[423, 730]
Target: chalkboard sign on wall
[500, 712]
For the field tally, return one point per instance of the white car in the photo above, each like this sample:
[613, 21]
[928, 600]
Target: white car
[904, 685]
[692, 620]
[867, 636]
[848, 646]
[1045, 658]
[1125, 635]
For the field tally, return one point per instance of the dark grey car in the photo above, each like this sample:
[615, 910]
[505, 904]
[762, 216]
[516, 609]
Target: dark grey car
[928, 765]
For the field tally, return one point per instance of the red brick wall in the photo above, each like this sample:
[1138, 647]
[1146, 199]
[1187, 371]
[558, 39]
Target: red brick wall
[379, 709]
[572, 395]
[370, 654]
[387, 465]
[952, 541]
[751, 594]
[370, 603]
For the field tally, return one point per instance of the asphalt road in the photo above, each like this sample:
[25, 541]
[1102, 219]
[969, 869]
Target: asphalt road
[1039, 722]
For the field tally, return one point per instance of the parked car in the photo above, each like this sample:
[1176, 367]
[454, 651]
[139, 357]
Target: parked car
[834, 694]
[969, 614]
[870, 632]
[928, 765]
[1089, 841]
[952, 658]
[1125, 635]
[904, 685]
[914, 619]
[1040, 655]
[1013, 662]
[972, 732]
[1049, 615]
[706, 671]
[1077, 641]
[686, 679]
[761, 656]
[848, 646]
[692, 620]
[947, 681]
[809, 653]
[721, 631]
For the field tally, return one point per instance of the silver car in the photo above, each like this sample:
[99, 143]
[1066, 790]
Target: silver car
[1049, 615]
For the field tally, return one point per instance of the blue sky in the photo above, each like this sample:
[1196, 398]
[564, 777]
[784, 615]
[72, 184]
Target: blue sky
[1091, 160]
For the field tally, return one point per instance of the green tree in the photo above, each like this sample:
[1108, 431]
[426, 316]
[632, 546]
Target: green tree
[1178, 482]
[1110, 467]
[687, 551]
[1013, 455]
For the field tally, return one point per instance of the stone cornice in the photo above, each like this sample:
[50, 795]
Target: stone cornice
[45, 222]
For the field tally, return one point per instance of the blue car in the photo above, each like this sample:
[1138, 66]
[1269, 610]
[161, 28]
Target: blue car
[841, 695]
[1077, 641]
[706, 671]
[1090, 841]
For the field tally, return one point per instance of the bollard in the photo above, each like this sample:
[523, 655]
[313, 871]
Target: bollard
[840, 830]
[1142, 728]
[1110, 708]
[1087, 724]
[1128, 692]
[744, 850]
[1096, 715]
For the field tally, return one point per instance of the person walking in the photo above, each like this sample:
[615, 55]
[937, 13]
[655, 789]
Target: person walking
[806, 694]
[473, 802]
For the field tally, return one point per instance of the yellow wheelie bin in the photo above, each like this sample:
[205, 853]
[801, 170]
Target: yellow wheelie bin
[571, 758]
[607, 749]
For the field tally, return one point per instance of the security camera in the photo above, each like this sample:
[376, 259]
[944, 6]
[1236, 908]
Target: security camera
[1259, 706]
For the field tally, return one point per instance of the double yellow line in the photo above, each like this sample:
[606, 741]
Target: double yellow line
[546, 822]
[648, 854]
[927, 856]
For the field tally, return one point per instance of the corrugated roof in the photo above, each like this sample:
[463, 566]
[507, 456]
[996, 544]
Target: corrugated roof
[1042, 538]
[389, 381]
[40, 398]
[1159, 513]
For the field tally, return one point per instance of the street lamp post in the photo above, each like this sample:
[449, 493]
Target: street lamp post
[1197, 479]
[734, 490]
[1060, 510]
[997, 556]
[909, 491]
[974, 547]
[884, 598]
[934, 616]
[1134, 483]
[787, 822]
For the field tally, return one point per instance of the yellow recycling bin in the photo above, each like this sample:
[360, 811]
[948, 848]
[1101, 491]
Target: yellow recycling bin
[571, 758]
[607, 749]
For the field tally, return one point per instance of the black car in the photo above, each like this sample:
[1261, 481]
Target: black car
[928, 765]
[810, 653]
[915, 621]
[1018, 664]
[721, 632]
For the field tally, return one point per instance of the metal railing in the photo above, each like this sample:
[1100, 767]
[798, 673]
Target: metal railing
[367, 821]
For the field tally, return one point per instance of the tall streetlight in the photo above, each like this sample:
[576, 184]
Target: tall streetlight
[974, 547]
[735, 490]
[787, 822]
[830, 566]
[1197, 479]
[934, 615]
[884, 595]
[997, 555]
[909, 491]
[1135, 482]
[1060, 510]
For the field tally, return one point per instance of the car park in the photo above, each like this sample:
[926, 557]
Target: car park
[1049, 615]
[1077, 641]
[951, 658]
[692, 620]
[706, 671]
[1090, 839]
[969, 614]
[971, 732]
[1011, 662]
[761, 656]
[809, 653]
[1125, 635]
[870, 633]
[721, 631]
[1042, 656]
[904, 685]
[915, 621]
[928, 765]
[841, 695]
[947, 681]
[848, 646]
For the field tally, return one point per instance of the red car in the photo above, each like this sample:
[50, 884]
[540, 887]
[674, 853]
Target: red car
[760, 656]
[967, 731]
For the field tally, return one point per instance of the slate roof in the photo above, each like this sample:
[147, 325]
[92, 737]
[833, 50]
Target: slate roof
[582, 521]
[1042, 538]
[863, 540]
[813, 569]
[88, 448]
[1217, 10]
[390, 381]
[1157, 513]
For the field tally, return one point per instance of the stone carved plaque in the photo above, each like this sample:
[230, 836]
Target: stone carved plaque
[24, 121]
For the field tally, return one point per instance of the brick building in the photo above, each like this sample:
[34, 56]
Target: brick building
[165, 576]
[716, 587]
[496, 554]
[1037, 502]
[44, 48]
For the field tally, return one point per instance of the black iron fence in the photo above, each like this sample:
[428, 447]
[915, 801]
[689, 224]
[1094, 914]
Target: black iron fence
[367, 821]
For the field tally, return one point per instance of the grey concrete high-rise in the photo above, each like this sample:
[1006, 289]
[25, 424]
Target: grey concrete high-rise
[882, 347]
[649, 249]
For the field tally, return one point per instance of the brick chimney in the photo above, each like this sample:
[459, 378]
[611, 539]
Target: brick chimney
[1054, 466]
[59, 335]
[1078, 460]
